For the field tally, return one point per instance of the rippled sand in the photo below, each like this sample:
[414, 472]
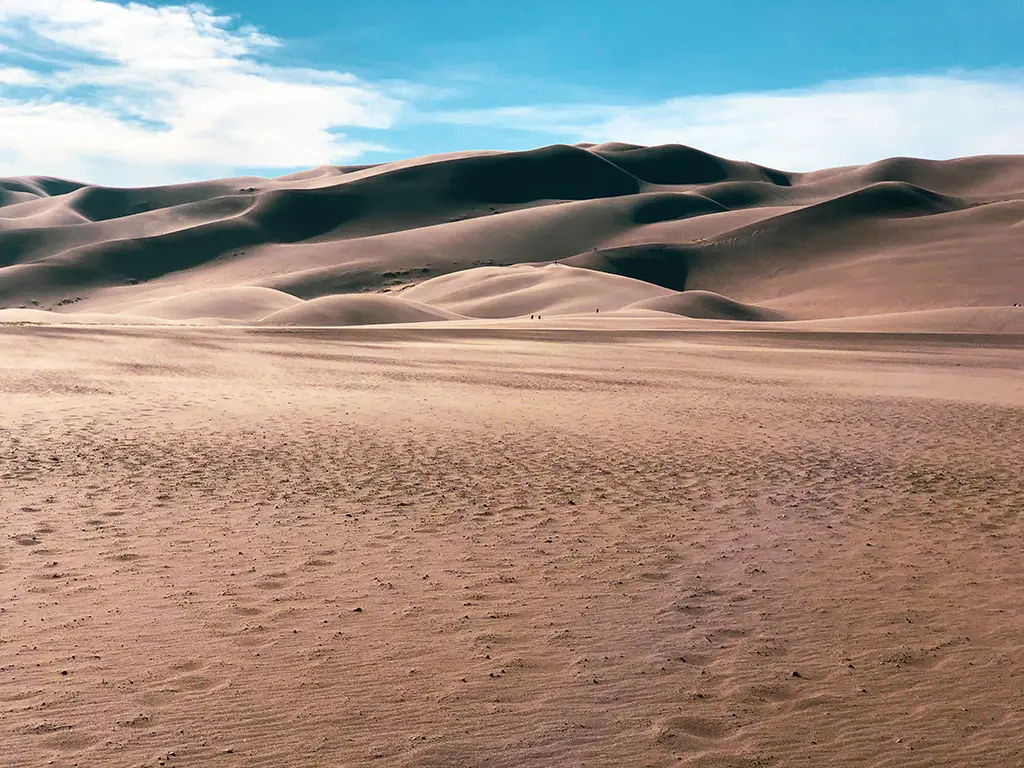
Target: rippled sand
[499, 548]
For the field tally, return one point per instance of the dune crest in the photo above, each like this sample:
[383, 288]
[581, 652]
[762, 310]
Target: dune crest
[706, 305]
[348, 309]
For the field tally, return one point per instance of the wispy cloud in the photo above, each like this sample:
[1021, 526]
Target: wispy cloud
[856, 121]
[134, 93]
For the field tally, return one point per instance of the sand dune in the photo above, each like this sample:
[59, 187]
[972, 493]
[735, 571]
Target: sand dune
[658, 263]
[706, 305]
[986, 178]
[673, 164]
[237, 303]
[555, 289]
[348, 309]
[898, 236]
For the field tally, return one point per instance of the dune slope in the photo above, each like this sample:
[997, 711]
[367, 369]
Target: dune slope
[898, 236]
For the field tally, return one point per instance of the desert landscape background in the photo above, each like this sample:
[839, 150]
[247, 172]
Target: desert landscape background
[745, 491]
[655, 233]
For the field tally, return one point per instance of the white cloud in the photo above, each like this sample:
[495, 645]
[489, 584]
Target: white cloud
[16, 76]
[138, 94]
[130, 93]
[850, 122]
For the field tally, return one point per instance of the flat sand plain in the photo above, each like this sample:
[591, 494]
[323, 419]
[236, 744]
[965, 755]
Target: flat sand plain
[241, 547]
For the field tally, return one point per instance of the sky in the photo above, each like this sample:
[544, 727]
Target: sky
[137, 93]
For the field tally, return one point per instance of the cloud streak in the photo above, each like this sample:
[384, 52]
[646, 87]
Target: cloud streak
[132, 93]
[856, 121]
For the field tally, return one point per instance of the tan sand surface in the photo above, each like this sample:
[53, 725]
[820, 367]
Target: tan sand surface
[560, 230]
[457, 544]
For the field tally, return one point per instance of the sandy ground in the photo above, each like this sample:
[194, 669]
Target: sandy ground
[229, 547]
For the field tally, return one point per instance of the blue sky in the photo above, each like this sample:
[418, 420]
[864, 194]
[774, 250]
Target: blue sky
[151, 92]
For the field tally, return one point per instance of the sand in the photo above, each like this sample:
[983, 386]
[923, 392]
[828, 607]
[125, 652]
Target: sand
[441, 546]
[560, 231]
[600, 455]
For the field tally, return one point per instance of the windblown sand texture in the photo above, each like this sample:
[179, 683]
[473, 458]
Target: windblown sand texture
[764, 509]
[461, 548]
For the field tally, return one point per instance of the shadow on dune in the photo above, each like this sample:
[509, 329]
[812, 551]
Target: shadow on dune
[707, 305]
[678, 165]
[662, 264]
[898, 235]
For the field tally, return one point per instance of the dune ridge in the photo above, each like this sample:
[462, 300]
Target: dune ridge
[468, 235]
